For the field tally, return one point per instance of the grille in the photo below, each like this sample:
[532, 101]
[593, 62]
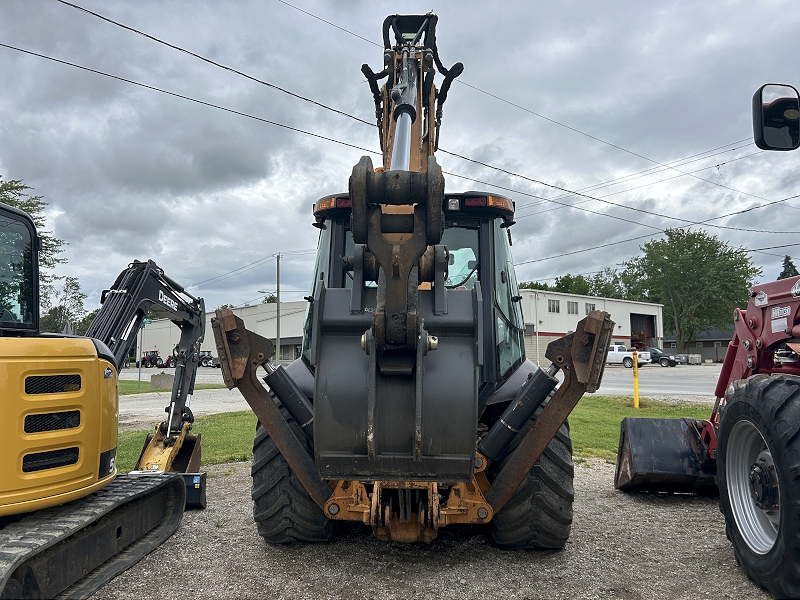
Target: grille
[52, 421]
[49, 460]
[52, 384]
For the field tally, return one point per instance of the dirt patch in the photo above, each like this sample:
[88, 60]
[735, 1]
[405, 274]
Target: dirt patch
[622, 546]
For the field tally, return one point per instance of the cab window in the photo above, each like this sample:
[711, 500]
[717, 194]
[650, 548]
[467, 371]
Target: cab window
[16, 273]
[509, 322]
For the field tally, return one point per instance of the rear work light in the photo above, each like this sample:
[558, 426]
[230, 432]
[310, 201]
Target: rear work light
[332, 203]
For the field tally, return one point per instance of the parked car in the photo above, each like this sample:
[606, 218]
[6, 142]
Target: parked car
[619, 354]
[659, 357]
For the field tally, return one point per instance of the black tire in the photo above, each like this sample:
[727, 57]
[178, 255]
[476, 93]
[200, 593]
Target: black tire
[147, 364]
[627, 362]
[539, 514]
[171, 363]
[204, 362]
[282, 508]
[664, 362]
[761, 425]
[159, 363]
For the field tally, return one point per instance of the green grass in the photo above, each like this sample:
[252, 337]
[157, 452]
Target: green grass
[127, 387]
[228, 437]
[594, 424]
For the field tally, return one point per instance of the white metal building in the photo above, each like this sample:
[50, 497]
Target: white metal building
[163, 335]
[551, 315]
[548, 316]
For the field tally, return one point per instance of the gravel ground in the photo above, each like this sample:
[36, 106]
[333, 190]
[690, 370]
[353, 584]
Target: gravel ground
[622, 546]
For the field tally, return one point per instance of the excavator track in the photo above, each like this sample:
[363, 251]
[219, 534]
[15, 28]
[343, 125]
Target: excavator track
[71, 550]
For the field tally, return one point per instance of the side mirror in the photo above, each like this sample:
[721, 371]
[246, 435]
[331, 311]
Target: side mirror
[776, 117]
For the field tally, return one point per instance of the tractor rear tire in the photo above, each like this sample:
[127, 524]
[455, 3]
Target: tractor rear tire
[282, 508]
[758, 451]
[539, 514]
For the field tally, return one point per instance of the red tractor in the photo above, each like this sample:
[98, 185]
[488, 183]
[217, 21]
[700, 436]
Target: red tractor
[206, 359]
[748, 450]
[152, 358]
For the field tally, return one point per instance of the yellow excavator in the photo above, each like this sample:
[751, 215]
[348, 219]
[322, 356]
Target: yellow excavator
[68, 523]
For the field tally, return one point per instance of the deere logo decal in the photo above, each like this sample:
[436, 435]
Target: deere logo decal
[167, 301]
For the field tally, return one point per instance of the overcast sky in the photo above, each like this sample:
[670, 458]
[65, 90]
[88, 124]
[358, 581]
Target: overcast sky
[132, 173]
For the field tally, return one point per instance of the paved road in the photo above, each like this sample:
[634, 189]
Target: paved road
[683, 382]
[144, 411]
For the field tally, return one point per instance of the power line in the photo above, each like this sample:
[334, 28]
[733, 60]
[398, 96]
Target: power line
[575, 204]
[248, 267]
[662, 166]
[374, 152]
[656, 170]
[564, 204]
[331, 24]
[216, 64]
[190, 99]
[501, 99]
[260, 262]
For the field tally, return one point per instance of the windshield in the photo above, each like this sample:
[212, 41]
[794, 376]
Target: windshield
[16, 273]
[462, 270]
[320, 274]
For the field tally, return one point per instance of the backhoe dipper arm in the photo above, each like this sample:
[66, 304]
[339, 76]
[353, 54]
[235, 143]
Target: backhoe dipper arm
[139, 288]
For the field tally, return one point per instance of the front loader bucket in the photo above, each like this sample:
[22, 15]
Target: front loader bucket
[663, 455]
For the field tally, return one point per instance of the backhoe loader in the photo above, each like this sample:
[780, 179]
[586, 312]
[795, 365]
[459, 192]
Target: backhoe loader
[748, 450]
[413, 405]
[68, 524]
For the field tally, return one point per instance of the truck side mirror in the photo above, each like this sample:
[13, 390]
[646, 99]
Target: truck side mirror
[776, 117]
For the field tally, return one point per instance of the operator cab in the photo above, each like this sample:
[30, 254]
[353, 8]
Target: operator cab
[478, 239]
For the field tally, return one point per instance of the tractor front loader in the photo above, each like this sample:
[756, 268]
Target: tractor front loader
[749, 449]
[413, 406]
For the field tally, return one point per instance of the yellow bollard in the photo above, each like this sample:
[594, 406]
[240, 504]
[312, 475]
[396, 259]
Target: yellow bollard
[635, 380]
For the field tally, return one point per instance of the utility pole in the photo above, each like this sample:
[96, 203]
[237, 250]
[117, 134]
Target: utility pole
[278, 313]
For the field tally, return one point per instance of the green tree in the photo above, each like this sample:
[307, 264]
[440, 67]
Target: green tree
[698, 278]
[573, 284]
[270, 299]
[226, 306]
[65, 306]
[789, 270]
[15, 193]
[82, 325]
[534, 285]
[608, 284]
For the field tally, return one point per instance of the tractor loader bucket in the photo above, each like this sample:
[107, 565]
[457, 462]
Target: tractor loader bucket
[664, 455]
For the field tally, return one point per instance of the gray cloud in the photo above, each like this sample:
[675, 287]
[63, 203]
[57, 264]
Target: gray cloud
[130, 173]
